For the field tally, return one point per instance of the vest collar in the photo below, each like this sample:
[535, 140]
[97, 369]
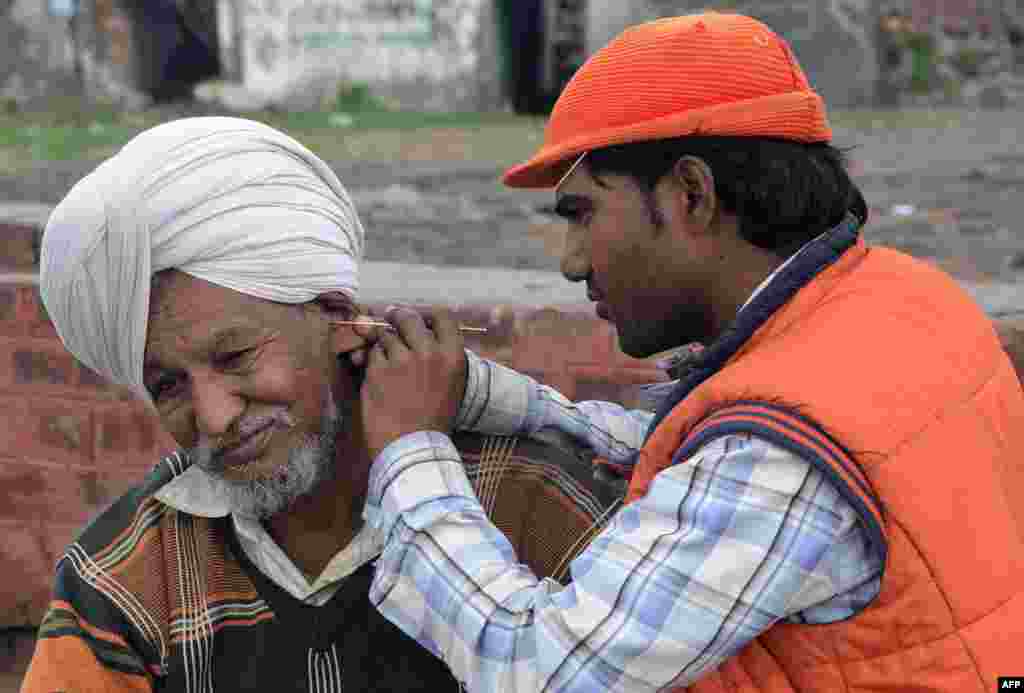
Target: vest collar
[813, 259]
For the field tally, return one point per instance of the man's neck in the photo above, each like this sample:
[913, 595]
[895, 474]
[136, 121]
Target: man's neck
[317, 527]
[749, 270]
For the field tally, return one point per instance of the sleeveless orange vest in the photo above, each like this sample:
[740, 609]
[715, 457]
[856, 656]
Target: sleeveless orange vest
[884, 374]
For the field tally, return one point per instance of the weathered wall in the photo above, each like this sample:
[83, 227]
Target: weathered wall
[36, 53]
[417, 53]
[833, 39]
[38, 49]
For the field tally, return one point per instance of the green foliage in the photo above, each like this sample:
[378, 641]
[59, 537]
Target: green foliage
[72, 130]
[356, 97]
[924, 61]
[94, 132]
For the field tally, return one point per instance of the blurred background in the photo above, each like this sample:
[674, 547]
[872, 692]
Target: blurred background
[926, 93]
[419, 105]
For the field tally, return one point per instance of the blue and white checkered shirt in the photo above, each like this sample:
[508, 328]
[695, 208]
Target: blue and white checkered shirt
[742, 536]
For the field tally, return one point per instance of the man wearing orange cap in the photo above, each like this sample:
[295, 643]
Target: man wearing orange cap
[823, 500]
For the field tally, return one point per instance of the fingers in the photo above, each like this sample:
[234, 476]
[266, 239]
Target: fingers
[369, 333]
[389, 344]
[443, 324]
[364, 327]
[412, 329]
[420, 332]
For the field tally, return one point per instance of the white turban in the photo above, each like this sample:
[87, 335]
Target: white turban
[227, 200]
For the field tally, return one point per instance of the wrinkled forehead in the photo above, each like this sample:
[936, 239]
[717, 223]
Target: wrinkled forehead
[179, 300]
[188, 315]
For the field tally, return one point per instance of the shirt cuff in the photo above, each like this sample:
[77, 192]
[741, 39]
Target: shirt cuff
[409, 474]
[497, 399]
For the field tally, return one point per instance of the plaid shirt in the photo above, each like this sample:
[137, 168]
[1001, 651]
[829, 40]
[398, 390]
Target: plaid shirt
[740, 537]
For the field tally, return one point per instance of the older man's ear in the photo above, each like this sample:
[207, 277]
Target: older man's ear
[345, 342]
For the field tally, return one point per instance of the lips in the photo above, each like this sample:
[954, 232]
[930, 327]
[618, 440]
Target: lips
[248, 449]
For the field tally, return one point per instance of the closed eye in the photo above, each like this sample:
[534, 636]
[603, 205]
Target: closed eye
[573, 209]
[234, 359]
[165, 386]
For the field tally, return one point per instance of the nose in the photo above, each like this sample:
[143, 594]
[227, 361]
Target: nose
[216, 405]
[575, 264]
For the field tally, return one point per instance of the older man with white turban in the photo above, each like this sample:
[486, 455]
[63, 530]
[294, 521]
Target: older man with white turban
[205, 266]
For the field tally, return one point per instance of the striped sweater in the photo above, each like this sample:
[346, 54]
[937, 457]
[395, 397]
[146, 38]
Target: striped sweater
[149, 598]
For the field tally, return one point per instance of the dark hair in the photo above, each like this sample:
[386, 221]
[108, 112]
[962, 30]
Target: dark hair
[784, 192]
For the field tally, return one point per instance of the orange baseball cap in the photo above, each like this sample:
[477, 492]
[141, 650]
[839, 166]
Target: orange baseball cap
[711, 73]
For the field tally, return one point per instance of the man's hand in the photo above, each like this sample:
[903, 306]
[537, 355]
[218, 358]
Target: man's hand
[415, 377]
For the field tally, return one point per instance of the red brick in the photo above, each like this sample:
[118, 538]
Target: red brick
[18, 247]
[500, 321]
[125, 432]
[117, 482]
[617, 375]
[42, 544]
[7, 347]
[91, 385]
[11, 322]
[27, 563]
[54, 493]
[551, 336]
[39, 367]
[47, 430]
[8, 303]
[42, 362]
[28, 299]
[41, 325]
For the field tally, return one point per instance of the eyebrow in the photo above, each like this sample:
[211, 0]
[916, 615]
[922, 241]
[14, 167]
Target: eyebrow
[236, 334]
[218, 341]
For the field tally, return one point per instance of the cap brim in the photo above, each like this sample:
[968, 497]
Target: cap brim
[798, 115]
[544, 170]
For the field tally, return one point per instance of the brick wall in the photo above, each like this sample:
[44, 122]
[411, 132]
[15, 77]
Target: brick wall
[69, 445]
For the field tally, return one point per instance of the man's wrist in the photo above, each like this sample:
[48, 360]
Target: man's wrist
[474, 394]
[496, 400]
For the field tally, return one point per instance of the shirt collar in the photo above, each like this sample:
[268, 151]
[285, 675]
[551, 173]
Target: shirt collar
[194, 492]
[768, 280]
[678, 360]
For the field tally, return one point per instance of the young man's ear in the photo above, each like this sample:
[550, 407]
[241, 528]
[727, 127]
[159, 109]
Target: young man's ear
[695, 183]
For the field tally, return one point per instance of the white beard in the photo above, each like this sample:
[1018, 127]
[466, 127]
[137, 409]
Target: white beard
[309, 464]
